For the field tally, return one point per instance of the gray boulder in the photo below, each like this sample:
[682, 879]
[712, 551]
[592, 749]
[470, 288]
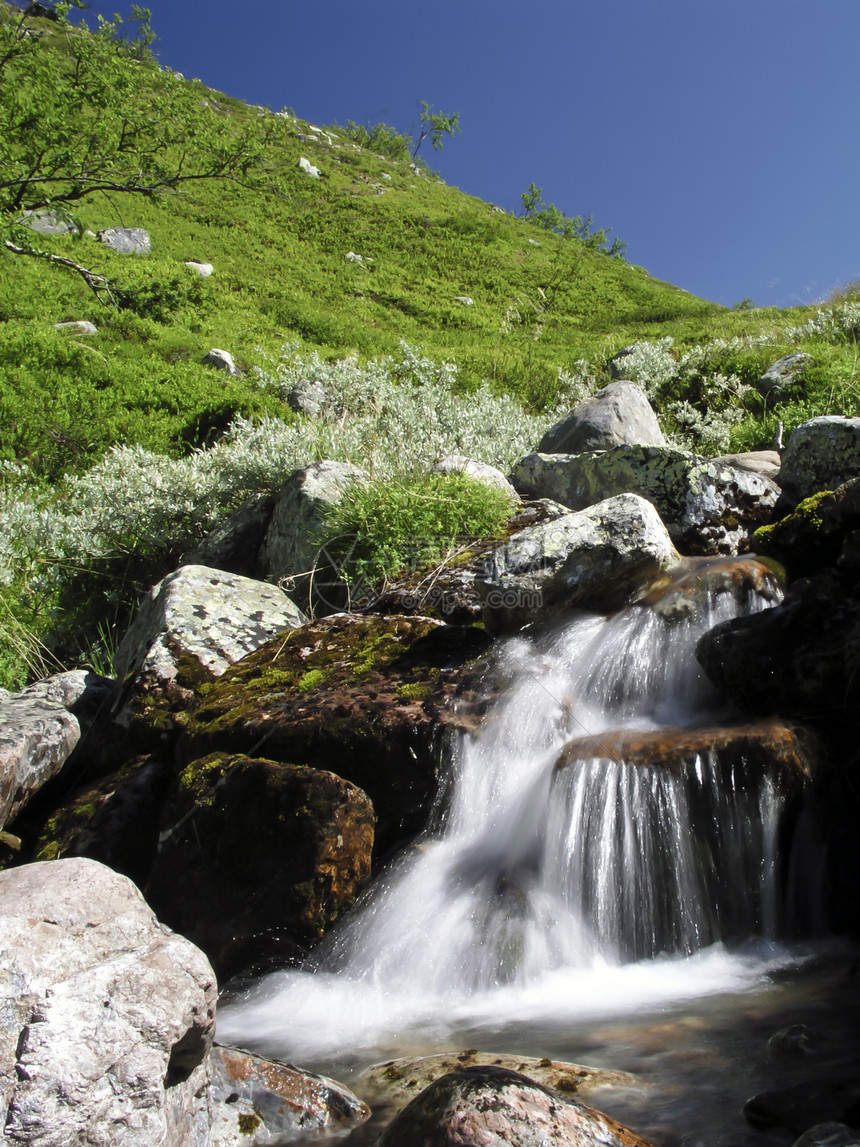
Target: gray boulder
[292, 546]
[204, 617]
[126, 240]
[460, 464]
[250, 1096]
[106, 1016]
[491, 1105]
[821, 455]
[36, 737]
[618, 414]
[221, 360]
[50, 221]
[597, 558]
[708, 508]
[307, 397]
[783, 373]
[765, 463]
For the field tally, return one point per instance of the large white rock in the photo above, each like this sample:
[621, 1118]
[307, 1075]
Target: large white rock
[619, 413]
[106, 1016]
[37, 735]
[821, 455]
[197, 612]
[594, 559]
[127, 240]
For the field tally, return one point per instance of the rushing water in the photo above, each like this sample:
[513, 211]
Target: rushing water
[560, 887]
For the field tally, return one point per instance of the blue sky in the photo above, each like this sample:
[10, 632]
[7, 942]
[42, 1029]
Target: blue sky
[719, 140]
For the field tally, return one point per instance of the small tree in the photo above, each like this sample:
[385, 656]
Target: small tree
[435, 126]
[551, 218]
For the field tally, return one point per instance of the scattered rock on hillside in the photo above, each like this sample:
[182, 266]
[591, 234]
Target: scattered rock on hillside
[50, 221]
[36, 737]
[783, 373]
[370, 697]
[493, 1105]
[107, 1016]
[234, 544]
[465, 300]
[307, 397]
[308, 168]
[77, 327]
[480, 471]
[221, 360]
[250, 1096]
[193, 625]
[597, 558]
[204, 270]
[291, 549]
[126, 240]
[269, 853]
[821, 455]
[618, 414]
[708, 508]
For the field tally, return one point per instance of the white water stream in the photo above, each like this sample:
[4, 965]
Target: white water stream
[550, 896]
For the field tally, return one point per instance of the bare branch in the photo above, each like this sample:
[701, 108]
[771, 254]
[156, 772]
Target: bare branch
[98, 284]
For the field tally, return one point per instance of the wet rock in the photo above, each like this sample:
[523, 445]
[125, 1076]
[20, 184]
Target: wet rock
[795, 1040]
[817, 531]
[193, 625]
[805, 1104]
[783, 374]
[233, 546]
[221, 360]
[799, 659]
[695, 585]
[106, 1017]
[270, 854]
[36, 738]
[821, 455]
[765, 463]
[828, 1135]
[254, 1099]
[491, 1105]
[291, 551]
[307, 397]
[597, 559]
[398, 1081]
[708, 508]
[459, 464]
[126, 240]
[618, 414]
[369, 697]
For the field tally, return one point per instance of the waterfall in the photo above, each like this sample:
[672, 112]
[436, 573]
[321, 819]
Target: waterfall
[563, 854]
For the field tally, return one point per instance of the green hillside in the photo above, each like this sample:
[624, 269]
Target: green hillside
[330, 276]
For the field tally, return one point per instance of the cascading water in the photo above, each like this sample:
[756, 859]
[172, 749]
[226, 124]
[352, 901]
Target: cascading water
[566, 874]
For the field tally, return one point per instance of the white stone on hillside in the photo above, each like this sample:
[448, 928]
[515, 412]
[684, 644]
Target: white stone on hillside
[221, 360]
[204, 270]
[308, 168]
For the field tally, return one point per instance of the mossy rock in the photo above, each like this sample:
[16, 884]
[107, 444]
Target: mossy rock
[812, 536]
[368, 697]
[258, 858]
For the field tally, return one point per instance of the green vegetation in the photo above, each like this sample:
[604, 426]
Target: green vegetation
[120, 450]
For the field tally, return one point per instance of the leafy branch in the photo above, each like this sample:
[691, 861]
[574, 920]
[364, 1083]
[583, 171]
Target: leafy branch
[550, 218]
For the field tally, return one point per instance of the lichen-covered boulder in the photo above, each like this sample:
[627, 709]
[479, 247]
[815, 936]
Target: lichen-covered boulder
[37, 735]
[799, 659]
[193, 625]
[480, 471]
[598, 558]
[126, 240]
[619, 413]
[106, 1016]
[291, 550]
[367, 697]
[708, 508]
[260, 1100]
[491, 1105]
[818, 533]
[269, 855]
[821, 455]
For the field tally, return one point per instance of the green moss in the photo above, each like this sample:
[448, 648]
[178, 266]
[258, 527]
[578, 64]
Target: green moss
[311, 680]
[248, 1124]
[415, 690]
